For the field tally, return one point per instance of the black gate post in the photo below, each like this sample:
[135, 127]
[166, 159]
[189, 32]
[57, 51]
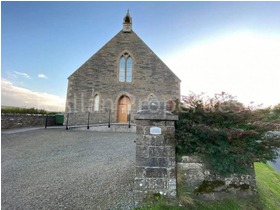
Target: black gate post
[88, 120]
[67, 121]
[129, 116]
[46, 123]
[109, 123]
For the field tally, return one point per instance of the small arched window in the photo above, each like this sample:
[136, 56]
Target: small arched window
[96, 103]
[125, 68]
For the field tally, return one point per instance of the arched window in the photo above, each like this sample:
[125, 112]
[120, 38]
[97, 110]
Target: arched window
[129, 69]
[125, 68]
[96, 103]
[122, 70]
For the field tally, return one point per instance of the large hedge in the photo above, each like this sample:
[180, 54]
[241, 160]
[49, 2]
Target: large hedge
[18, 110]
[228, 135]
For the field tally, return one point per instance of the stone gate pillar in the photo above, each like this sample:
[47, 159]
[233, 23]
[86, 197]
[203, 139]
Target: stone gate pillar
[155, 154]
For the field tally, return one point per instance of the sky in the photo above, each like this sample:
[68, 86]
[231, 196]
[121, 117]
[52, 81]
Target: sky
[211, 46]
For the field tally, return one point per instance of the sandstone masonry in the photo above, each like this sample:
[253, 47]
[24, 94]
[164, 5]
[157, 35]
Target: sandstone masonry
[100, 76]
[155, 154]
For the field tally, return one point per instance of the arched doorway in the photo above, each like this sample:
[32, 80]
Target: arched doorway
[124, 108]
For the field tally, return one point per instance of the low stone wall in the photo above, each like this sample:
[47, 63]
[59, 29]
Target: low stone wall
[201, 183]
[11, 121]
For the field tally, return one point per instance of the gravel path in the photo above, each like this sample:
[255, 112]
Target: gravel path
[58, 169]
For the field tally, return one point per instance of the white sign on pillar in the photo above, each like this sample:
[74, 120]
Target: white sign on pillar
[155, 130]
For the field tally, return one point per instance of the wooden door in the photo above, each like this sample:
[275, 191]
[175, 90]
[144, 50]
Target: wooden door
[124, 108]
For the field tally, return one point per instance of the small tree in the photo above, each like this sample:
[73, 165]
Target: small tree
[225, 132]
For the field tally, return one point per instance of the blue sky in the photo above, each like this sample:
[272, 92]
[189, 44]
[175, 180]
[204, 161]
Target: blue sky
[211, 46]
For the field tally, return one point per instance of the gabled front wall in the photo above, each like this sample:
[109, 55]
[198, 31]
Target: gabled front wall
[100, 73]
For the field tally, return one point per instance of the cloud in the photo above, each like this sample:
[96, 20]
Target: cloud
[245, 65]
[42, 76]
[22, 74]
[12, 95]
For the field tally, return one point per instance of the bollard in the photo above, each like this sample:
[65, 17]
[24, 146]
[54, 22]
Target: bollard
[67, 121]
[46, 123]
[109, 123]
[88, 120]
[129, 118]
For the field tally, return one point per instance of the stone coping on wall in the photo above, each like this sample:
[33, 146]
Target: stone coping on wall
[23, 114]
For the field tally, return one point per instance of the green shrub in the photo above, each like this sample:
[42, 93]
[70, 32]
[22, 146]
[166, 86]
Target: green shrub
[227, 134]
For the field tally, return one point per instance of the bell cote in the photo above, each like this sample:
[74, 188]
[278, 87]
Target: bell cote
[127, 23]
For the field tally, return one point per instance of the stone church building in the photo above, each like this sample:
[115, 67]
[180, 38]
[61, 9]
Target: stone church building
[118, 79]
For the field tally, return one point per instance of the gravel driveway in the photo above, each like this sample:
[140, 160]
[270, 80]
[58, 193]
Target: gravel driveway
[59, 169]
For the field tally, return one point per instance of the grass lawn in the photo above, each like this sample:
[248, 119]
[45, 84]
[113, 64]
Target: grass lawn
[268, 185]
